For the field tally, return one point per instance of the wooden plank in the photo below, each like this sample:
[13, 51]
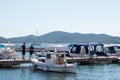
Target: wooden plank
[13, 61]
[93, 60]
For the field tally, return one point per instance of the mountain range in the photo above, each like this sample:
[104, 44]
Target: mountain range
[64, 37]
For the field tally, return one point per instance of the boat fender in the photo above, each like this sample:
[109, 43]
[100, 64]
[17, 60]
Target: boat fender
[46, 68]
[65, 64]
[64, 68]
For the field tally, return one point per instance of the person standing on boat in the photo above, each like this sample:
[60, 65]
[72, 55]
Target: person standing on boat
[23, 50]
[31, 50]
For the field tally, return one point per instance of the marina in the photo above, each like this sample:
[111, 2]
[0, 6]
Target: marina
[97, 66]
[83, 59]
[59, 40]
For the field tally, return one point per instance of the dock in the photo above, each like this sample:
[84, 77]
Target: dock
[81, 61]
[14, 61]
[11, 62]
[95, 60]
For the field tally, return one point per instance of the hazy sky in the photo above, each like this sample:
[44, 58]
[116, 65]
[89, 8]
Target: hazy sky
[24, 17]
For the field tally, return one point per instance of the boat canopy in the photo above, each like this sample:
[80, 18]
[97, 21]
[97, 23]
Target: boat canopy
[97, 49]
[92, 48]
[77, 48]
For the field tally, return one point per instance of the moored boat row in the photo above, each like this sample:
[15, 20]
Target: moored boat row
[56, 57]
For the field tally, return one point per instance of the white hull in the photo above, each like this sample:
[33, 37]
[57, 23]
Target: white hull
[55, 68]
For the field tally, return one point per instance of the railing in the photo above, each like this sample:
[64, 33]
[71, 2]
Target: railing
[27, 49]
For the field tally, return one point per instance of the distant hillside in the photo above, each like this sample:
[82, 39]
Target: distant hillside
[3, 40]
[28, 39]
[65, 37]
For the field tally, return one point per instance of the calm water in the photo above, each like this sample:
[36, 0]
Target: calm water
[93, 72]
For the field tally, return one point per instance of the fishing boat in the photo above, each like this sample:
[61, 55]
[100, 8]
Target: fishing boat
[53, 59]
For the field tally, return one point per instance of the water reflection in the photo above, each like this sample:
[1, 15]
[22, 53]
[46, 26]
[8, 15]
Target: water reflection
[93, 72]
[28, 73]
[52, 75]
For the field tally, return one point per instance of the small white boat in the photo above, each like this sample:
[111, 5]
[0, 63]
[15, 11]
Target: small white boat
[6, 49]
[53, 60]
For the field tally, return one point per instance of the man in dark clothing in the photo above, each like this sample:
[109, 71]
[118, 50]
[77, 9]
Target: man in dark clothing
[23, 51]
[31, 50]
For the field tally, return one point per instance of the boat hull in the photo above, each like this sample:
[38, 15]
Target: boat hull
[68, 68]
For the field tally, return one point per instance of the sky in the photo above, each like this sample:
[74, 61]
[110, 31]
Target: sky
[25, 17]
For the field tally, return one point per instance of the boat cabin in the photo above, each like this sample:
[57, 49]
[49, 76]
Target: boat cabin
[113, 50]
[85, 49]
[78, 49]
[54, 58]
[97, 49]
[53, 55]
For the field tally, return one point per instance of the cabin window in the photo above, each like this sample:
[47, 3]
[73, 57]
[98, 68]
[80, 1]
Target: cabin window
[99, 48]
[48, 55]
[76, 49]
[43, 60]
[52, 51]
[73, 50]
[57, 55]
[62, 55]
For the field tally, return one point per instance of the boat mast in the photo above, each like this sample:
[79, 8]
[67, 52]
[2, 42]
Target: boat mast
[37, 37]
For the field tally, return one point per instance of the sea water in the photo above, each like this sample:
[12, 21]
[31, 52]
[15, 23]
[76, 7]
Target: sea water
[83, 72]
[91, 72]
